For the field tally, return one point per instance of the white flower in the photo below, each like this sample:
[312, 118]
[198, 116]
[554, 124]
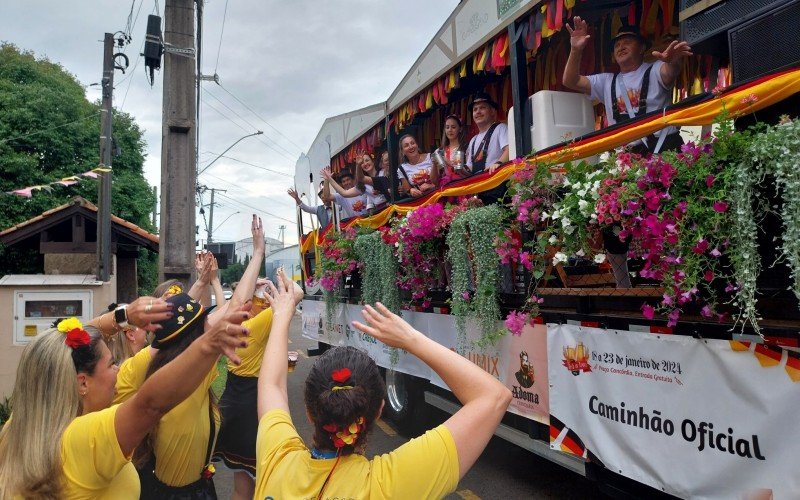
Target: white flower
[566, 222]
[553, 239]
[600, 258]
[545, 215]
[593, 216]
[556, 214]
[559, 257]
[582, 204]
[582, 193]
[566, 181]
[569, 229]
[580, 253]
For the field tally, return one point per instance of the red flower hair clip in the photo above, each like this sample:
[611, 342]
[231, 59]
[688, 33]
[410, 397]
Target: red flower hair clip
[341, 376]
[347, 436]
[76, 336]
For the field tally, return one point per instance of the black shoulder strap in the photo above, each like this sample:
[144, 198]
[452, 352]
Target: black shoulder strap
[212, 430]
[403, 171]
[484, 145]
[643, 91]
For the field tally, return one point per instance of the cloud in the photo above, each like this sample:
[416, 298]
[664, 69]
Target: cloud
[293, 63]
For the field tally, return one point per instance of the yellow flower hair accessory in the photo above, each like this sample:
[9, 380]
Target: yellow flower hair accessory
[69, 324]
[175, 290]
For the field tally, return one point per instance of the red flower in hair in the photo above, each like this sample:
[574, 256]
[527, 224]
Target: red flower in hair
[77, 337]
[341, 376]
[330, 427]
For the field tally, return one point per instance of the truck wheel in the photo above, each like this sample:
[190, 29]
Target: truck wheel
[405, 403]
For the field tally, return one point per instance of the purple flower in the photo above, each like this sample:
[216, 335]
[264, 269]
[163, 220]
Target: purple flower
[715, 252]
[648, 311]
[706, 311]
[710, 180]
[515, 322]
[465, 296]
[720, 206]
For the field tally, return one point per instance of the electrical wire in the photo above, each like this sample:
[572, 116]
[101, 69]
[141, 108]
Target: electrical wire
[79, 120]
[254, 193]
[289, 153]
[241, 127]
[258, 210]
[250, 164]
[222, 31]
[259, 117]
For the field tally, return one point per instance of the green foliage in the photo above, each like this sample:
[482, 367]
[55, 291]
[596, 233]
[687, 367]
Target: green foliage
[471, 250]
[48, 131]
[379, 271]
[232, 273]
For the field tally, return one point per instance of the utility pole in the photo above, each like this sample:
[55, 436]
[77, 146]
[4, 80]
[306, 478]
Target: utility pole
[104, 188]
[211, 215]
[282, 235]
[155, 206]
[178, 138]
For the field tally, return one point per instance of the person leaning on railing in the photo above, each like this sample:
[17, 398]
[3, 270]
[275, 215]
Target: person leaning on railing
[416, 173]
[371, 181]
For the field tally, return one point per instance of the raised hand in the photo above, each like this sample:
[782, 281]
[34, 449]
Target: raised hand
[257, 230]
[386, 326]
[282, 295]
[326, 173]
[207, 272]
[674, 52]
[579, 35]
[146, 312]
[227, 334]
[291, 192]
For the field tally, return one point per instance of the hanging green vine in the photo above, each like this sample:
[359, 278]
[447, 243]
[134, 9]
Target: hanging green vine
[379, 271]
[471, 251]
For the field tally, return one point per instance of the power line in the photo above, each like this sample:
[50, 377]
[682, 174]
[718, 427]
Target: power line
[79, 120]
[257, 210]
[244, 129]
[222, 31]
[245, 120]
[279, 200]
[255, 166]
[259, 116]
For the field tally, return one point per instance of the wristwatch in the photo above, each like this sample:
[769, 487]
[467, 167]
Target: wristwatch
[121, 316]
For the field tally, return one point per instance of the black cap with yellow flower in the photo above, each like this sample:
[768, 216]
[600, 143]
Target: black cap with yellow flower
[185, 312]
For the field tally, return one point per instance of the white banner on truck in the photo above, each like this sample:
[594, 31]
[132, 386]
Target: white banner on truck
[519, 362]
[694, 418]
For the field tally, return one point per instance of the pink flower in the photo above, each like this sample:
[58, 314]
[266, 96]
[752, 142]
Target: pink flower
[708, 275]
[465, 296]
[648, 311]
[672, 317]
[715, 252]
[720, 206]
[701, 247]
[750, 99]
[706, 311]
[710, 180]
[516, 321]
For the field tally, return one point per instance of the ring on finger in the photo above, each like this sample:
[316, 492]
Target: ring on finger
[226, 329]
[148, 308]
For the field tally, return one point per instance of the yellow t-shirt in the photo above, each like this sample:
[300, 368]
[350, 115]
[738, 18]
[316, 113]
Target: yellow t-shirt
[93, 463]
[425, 467]
[131, 375]
[182, 434]
[252, 355]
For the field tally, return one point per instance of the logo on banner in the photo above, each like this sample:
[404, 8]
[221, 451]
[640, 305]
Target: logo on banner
[525, 373]
[576, 359]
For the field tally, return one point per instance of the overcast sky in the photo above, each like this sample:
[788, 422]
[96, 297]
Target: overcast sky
[293, 63]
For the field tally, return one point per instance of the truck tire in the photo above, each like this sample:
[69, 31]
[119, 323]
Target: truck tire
[405, 403]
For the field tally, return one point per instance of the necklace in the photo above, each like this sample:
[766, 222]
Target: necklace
[322, 454]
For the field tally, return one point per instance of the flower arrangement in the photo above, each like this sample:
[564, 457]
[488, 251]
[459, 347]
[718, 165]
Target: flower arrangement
[74, 334]
[419, 243]
[472, 253]
[338, 259]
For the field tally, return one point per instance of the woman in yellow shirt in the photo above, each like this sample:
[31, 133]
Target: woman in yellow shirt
[65, 440]
[344, 396]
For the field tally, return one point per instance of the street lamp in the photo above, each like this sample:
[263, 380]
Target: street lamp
[259, 132]
[220, 224]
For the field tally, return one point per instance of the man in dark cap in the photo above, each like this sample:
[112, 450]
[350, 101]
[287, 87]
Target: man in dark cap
[488, 149]
[638, 88]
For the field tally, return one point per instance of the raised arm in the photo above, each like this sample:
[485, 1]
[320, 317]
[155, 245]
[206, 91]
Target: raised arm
[283, 297]
[144, 312]
[578, 38]
[347, 193]
[326, 195]
[200, 290]
[177, 380]
[484, 398]
[673, 57]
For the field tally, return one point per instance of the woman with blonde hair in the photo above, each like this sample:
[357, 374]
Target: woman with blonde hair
[371, 181]
[66, 439]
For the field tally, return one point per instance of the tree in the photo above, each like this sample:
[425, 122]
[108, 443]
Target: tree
[48, 131]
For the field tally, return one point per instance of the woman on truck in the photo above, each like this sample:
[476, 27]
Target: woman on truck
[344, 395]
[416, 173]
[371, 181]
[452, 148]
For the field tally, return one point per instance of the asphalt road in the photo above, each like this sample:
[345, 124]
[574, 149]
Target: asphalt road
[503, 471]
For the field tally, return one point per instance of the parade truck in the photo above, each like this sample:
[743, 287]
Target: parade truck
[676, 374]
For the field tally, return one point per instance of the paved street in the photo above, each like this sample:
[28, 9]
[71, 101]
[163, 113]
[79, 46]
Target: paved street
[503, 471]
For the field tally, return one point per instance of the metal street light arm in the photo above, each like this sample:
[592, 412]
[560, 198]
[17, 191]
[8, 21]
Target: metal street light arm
[229, 148]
